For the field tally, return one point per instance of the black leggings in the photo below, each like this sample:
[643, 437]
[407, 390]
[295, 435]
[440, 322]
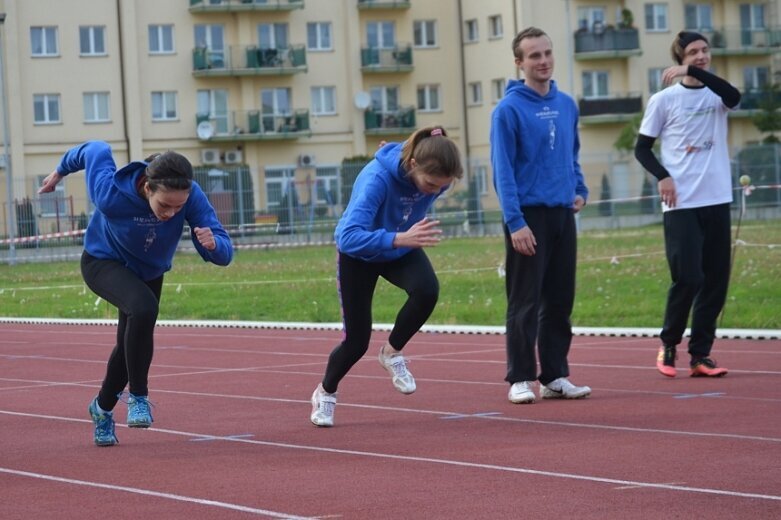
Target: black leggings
[357, 280]
[138, 303]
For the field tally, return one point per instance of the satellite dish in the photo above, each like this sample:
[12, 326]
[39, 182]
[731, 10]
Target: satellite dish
[205, 130]
[362, 100]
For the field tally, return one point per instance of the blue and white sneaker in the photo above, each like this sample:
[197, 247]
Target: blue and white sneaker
[104, 425]
[139, 412]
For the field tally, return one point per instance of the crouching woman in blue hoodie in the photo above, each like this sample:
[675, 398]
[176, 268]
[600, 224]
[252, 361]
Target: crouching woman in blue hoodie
[140, 212]
[381, 234]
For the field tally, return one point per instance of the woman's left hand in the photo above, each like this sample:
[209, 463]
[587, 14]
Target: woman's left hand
[205, 238]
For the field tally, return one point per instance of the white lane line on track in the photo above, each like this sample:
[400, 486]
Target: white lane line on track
[156, 494]
[447, 462]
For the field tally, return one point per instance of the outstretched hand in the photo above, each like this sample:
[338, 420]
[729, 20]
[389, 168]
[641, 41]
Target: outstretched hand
[205, 238]
[421, 234]
[51, 180]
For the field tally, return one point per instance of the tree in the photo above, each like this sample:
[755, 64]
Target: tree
[768, 119]
[628, 135]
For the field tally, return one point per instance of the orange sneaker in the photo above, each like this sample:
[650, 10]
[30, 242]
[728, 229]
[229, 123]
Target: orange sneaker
[706, 367]
[665, 361]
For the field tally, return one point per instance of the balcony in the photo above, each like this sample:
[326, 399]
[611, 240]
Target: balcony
[600, 43]
[396, 59]
[241, 60]
[614, 109]
[401, 121]
[224, 6]
[752, 100]
[735, 41]
[384, 4]
[254, 125]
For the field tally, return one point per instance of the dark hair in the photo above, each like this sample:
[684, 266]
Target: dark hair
[434, 153]
[169, 170]
[682, 40]
[529, 32]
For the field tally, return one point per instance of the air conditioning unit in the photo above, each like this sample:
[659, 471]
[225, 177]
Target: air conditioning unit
[210, 156]
[306, 160]
[233, 157]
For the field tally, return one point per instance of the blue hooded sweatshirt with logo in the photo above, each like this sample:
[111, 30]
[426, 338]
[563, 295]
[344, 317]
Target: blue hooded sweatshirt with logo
[384, 202]
[123, 226]
[534, 151]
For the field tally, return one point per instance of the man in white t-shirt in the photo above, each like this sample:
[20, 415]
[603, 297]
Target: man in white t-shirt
[695, 185]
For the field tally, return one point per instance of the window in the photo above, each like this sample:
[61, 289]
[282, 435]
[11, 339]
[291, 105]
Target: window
[595, 84]
[590, 17]
[318, 36]
[497, 89]
[92, 40]
[429, 98]
[425, 33]
[752, 16]
[323, 101]
[476, 93]
[756, 78]
[495, 26]
[161, 39]
[472, 35]
[655, 80]
[327, 187]
[698, 17]
[656, 17]
[480, 176]
[52, 204]
[210, 38]
[272, 35]
[380, 35]
[384, 99]
[278, 182]
[43, 41]
[276, 109]
[46, 108]
[213, 105]
[96, 107]
[164, 106]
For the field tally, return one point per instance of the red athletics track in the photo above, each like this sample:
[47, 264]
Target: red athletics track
[232, 437]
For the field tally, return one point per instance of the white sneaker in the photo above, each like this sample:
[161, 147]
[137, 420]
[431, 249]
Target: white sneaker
[521, 392]
[561, 388]
[323, 407]
[396, 366]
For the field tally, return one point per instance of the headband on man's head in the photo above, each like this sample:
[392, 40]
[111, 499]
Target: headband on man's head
[687, 37]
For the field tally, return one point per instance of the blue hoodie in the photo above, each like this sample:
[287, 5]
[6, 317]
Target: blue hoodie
[123, 227]
[384, 201]
[534, 151]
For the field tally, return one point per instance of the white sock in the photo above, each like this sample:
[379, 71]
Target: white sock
[101, 410]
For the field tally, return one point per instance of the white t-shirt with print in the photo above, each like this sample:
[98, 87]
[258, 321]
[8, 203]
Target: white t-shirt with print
[692, 125]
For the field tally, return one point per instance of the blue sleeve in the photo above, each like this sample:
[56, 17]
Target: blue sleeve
[95, 158]
[504, 145]
[357, 236]
[201, 214]
[580, 186]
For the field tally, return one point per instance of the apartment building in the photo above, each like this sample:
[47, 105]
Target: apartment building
[266, 96]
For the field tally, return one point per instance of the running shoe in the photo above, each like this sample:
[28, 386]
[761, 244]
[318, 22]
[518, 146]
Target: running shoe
[665, 360]
[521, 392]
[104, 425]
[139, 412]
[396, 366]
[323, 407]
[706, 367]
[561, 388]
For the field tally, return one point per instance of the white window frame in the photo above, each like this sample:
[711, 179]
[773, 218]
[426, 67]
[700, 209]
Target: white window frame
[166, 98]
[158, 34]
[281, 176]
[702, 14]
[323, 100]
[46, 100]
[47, 36]
[475, 93]
[596, 76]
[471, 31]
[495, 29]
[273, 35]
[329, 179]
[381, 34]
[323, 36]
[480, 175]
[48, 202]
[211, 37]
[755, 84]
[385, 99]
[425, 34]
[94, 104]
[756, 15]
[88, 34]
[655, 79]
[659, 17]
[431, 97]
[589, 16]
[210, 101]
[498, 86]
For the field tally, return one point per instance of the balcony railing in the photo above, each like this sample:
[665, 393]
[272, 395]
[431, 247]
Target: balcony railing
[250, 125]
[242, 60]
[399, 121]
[384, 4]
[220, 6]
[754, 99]
[727, 41]
[616, 108]
[608, 42]
[396, 59]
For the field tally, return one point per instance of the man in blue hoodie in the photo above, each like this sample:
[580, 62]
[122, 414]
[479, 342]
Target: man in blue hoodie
[539, 183]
